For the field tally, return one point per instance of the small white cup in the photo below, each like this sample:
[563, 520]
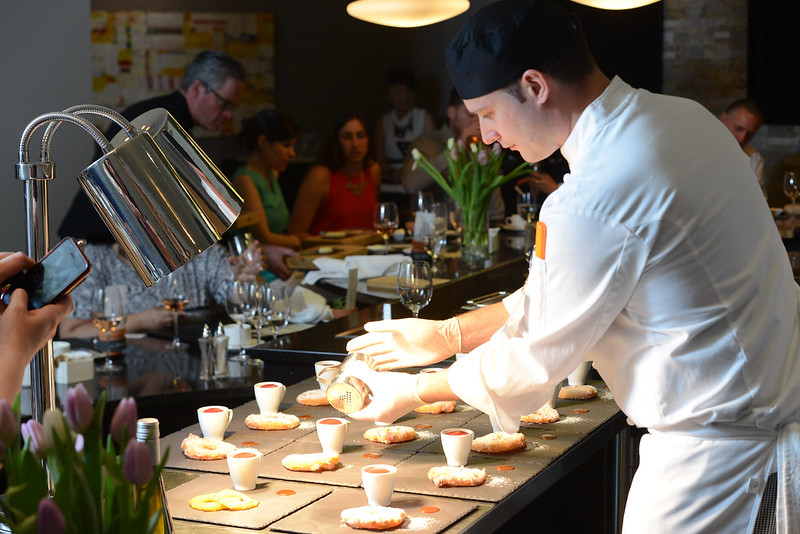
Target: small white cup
[320, 366]
[61, 347]
[214, 420]
[331, 432]
[494, 239]
[236, 335]
[457, 443]
[515, 221]
[243, 465]
[515, 241]
[578, 376]
[269, 396]
[378, 481]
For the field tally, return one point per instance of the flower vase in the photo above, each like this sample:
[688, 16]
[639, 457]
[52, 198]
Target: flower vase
[475, 238]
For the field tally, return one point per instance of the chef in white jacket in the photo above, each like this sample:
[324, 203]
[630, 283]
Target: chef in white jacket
[657, 259]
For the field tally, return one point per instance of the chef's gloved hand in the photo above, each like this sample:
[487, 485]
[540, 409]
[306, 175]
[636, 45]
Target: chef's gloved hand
[408, 342]
[393, 394]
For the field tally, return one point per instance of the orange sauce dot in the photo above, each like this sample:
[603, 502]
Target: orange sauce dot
[428, 510]
[422, 426]
[548, 436]
[371, 455]
[285, 492]
[305, 416]
[580, 410]
[249, 443]
[505, 468]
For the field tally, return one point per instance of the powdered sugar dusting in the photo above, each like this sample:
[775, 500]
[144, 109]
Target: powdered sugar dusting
[493, 481]
[307, 425]
[419, 523]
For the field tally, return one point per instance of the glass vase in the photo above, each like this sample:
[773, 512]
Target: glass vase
[475, 238]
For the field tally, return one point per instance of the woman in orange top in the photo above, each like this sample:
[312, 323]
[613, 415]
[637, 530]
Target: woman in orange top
[339, 192]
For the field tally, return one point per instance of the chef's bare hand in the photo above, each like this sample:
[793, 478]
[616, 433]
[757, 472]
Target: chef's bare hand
[393, 394]
[275, 255]
[540, 182]
[408, 342]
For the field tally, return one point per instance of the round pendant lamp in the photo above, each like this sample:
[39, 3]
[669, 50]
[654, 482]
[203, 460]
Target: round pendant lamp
[615, 4]
[406, 13]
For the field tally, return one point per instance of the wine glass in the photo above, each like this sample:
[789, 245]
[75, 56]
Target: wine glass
[236, 296]
[422, 201]
[415, 285]
[278, 308]
[257, 298]
[175, 301]
[108, 315]
[385, 220]
[439, 241]
[791, 186]
[527, 207]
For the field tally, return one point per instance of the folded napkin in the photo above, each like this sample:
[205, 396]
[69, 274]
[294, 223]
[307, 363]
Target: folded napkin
[368, 267]
[309, 307]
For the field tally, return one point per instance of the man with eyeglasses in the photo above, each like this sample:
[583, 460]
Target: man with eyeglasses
[209, 92]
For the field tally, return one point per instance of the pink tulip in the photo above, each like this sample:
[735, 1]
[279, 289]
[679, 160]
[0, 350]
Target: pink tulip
[124, 416]
[79, 442]
[483, 157]
[49, 519]
[78, 408]
[453, 155]
[33, 432]
[8, 423]
[496, 149]
[138, 465]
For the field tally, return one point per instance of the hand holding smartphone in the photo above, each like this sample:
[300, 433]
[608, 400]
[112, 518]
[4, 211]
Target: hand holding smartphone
[60, 271]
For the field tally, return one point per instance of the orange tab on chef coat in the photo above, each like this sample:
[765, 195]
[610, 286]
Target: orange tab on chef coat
[541, 239]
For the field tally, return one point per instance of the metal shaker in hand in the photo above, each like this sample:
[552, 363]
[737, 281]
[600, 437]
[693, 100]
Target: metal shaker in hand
[345, 392]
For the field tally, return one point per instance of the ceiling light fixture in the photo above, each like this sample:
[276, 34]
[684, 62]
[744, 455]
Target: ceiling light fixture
[615, 4]
[406, 13]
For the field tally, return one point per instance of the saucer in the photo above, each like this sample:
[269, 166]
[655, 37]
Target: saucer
[511, 228]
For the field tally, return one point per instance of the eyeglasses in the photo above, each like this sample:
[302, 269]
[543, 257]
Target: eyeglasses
[224, 103]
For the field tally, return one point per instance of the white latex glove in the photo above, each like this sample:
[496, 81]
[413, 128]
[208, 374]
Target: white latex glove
[408, 342]
[393, 394]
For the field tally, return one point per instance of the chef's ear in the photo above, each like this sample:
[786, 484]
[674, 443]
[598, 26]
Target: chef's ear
[535, 86]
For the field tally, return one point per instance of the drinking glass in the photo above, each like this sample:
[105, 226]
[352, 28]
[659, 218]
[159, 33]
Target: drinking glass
[175, 301]
[791, 186]
[279, 307]
[257, 306]
[527, 207]
[422, 201]
[439, 240]
[108, 315]
[415, 285]
[385, 220]
[236, 296]
[247, 262]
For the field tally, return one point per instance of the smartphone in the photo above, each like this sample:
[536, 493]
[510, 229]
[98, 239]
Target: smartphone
[60, 271]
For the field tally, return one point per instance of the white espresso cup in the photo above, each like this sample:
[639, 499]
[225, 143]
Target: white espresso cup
[457, 443]
[320, 366]
[515, 221]
[237, 334]
[214, 420]
[378, 481]
[331, 432]
[269, 396]
[243, 465]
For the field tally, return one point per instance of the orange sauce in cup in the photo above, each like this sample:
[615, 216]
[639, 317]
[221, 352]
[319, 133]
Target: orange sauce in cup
[330, 422]
[244, 455]
[456, 433]
[377, 470]
[268, 385]
[212, 410]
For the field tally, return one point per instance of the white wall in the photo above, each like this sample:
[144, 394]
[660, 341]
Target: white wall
[46, 66]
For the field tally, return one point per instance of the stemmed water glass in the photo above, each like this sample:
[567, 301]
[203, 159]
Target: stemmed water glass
[108, 315]
[235, 305]
[257, 299]
[175, 301]
[791, 186]
[278, 308]
[385, 220]
[415, 285]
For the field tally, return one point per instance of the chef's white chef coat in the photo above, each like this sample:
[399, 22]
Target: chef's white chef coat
[663, 266]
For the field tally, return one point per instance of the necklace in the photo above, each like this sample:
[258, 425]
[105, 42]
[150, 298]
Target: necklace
[356, 184]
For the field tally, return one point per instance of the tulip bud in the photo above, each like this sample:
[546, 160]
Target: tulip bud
[496, 149]
[49, 519]
[79, 409]
[415, 154]
[53, 424]
[33, 433]
[451, 143]
[8, 423]
[454, 155]
[124, 416]
[483, 157]
[138, 465]
[473, 147]
[79, 443]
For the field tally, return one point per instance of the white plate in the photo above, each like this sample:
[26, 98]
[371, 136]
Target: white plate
[776, 212]
[788, 209]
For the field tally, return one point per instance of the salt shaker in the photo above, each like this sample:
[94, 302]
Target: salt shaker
[221, 353]
[207, 354]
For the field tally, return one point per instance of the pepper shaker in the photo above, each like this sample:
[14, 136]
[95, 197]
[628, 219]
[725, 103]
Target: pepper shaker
[207, 354]
[221, 352]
